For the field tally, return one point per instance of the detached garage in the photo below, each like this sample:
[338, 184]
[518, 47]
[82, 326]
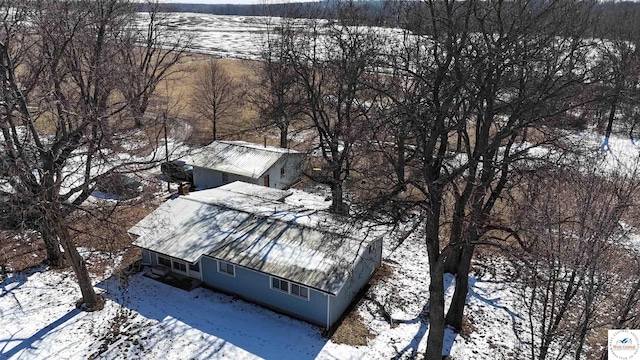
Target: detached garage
[302, 262]
[223, 162]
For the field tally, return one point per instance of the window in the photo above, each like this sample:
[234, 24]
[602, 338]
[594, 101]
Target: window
[282, 172]
[280, 284]
[194, 267]
[226, 268]
[372, 247]
[179, 266]
[225, 177]
[290, 288]
[164, 261]
[300, 291]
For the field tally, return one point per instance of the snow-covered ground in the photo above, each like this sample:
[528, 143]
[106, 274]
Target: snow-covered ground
[147, 319]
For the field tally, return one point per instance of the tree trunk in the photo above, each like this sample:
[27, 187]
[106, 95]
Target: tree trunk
[284, 132]
[452, 262]
[455, 313]
[435, 339]
[609, 129]
[136, 111]
[54, 255]
[338, 205]
[213, 126]
[90, 299]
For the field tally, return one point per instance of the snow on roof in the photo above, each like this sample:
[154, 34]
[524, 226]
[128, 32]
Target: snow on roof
[263, 192]
[306, 246]
[239, 157]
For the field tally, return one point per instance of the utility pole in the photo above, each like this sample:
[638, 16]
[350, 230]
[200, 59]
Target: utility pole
[166, 147]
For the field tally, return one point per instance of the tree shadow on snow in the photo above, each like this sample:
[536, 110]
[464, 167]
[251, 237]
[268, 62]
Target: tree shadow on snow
[224, 321]
[29, 343]
[494, 303]
[423, 320]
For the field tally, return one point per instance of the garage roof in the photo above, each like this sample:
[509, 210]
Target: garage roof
[239, 157]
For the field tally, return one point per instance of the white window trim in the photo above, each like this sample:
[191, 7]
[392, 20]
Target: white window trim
[280, 280]
[225, 272]
[300, 287]
[186, 266]
[164, 257]
[289, 288]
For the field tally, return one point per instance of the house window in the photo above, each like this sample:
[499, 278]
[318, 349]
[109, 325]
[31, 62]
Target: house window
[300, 291]
[180, 266]
[225, 177]
[164, 261]
[290, 288]
[372, 247]
[279, 284]
[226, 268]
[282, 172]
[194, 267]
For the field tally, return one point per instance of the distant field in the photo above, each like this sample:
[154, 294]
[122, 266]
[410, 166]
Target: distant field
[179, 90]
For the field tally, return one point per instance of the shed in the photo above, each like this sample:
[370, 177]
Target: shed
[302, 262]
[223, 162]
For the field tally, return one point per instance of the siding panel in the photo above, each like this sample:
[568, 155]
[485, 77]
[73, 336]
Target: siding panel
[366, 265]
[256, 287]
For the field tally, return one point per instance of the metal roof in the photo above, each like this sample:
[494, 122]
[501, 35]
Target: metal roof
[308, 247]
[263, 192]
[239, 157]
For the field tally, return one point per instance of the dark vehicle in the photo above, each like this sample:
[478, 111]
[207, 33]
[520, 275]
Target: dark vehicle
[119, 186]
[177, 171]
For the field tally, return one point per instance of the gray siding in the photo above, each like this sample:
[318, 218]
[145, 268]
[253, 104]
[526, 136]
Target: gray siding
[147, 259]
[292, 165]
[366, 265]
[206, 178]
[255, 286]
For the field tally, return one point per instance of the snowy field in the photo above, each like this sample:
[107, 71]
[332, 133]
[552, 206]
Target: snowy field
[219, 35]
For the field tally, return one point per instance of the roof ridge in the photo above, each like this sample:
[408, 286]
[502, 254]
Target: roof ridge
[293, 222]
[257, 146]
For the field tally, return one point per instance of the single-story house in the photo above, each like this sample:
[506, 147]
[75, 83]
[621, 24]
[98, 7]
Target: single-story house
[223, 162]
[243, 239]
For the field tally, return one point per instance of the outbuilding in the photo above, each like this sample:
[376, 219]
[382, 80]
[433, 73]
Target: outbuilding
[246, 241]
[223, 162]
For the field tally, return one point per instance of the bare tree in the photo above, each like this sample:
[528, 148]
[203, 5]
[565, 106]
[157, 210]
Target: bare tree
[470, 81]
[216, 95]
[150, 57]
[62, 123]
[569, 251]
[278, 96]
[331, 61]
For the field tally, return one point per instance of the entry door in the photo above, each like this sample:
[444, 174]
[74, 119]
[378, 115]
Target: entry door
[266, 180]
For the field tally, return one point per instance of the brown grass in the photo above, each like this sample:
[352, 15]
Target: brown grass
[179, 90]
[352, 331]
[20, 250]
